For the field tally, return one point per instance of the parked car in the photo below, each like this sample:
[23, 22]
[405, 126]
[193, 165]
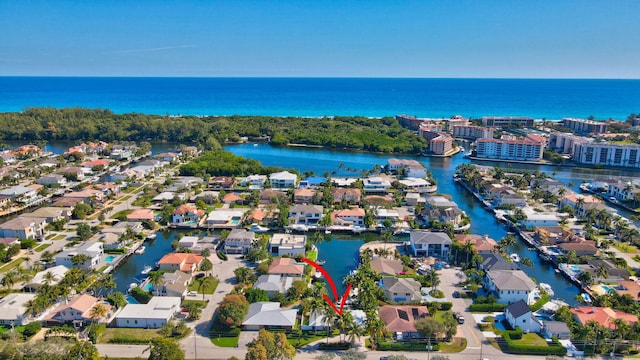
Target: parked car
[192, 293]
[458, 318]
[456, 294]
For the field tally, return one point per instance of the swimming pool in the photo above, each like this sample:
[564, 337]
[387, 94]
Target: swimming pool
[109, 258]
[607, 288]
[574, 267]
[131, 300]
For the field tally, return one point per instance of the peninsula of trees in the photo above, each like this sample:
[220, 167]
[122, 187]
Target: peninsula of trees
[384, 135]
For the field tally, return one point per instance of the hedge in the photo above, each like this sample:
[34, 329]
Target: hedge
[129, 340]
[335, 346]
[538, 304]
[444, 306]
[115, 251]
[487, 307]
[398, 346]
[221, 255]
[515, 348]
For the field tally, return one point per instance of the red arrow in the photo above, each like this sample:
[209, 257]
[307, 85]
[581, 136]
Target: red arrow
[333, 287]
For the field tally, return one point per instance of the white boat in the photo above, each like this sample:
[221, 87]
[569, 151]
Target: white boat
[146, 270]
[586, 298]
[320, 262]
[547, 288]
[258, 229]
[151, 236]
[514, 257]
[132, 285]
[318, 275]
[140, 250]
[327, 231]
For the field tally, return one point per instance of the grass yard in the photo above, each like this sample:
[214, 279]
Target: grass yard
[626, 248]
[456, 346]
[128, 333]
[12, 264]
[532, 340]
[41, 247]
[230, 342]
[312, 255]
[60, 237]
[210, 288]
[307, 337]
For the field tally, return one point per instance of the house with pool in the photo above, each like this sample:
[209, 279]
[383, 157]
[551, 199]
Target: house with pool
[93, 250]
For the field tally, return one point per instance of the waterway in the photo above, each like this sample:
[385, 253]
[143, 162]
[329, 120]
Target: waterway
[129, 271]
[320, 161]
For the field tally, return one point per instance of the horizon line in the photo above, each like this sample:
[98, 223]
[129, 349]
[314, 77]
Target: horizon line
[312, 77]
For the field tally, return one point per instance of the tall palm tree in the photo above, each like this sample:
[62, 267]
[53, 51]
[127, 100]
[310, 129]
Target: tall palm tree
[48, 278]
[602, 272]
[10, 278]
[98, 312]
[329, 316]
[155, 278]
[351, 329]
[375, 327]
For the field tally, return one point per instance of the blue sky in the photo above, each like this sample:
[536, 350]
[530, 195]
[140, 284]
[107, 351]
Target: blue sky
[489, 38]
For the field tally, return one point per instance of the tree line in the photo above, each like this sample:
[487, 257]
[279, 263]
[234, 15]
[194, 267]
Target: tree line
[73, 124]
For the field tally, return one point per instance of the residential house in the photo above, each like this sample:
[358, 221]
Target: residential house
[482, 244]
[384, 266]
[71, 173]
[452, 215]
[88, 196]
[254, 181]
[285, 267]
[287, 244]
[141, 215]
[180, 261]
[349, 195]
[93, 250]
[305, 214]
[268, 196]
[413, 199]
[557, 329]
[20, 194]
[77, 310]
[51, 214]
[493, 261]
[410, 168]
[349, 217]
[9, 241]
[227, 218]
[231, 198]
[510, 286]
[418, 185]
[401, 319]
[628, 287]
[274, 284]
[167, 156]
[269, 315]
[7, 158]
[221, 182]
[66, 202]
[427, 243]
[615, 274]
[534, 218]
[401, 289]
[509, 197]
[605, 316]
[52, 180]
[583, 248]
[187, 214]
[188, 242]
[24, 227]
[439, 202]
[518, 314]
[13, 309]
[376, 185]
[283, 180]
[239, 241]
[174, 284]
[152, 315]
[98, 163]
[110, 240]
[43, 277]
[303, 196]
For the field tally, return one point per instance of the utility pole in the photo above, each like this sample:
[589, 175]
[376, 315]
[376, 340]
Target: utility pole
[480, 349]
[195, 345]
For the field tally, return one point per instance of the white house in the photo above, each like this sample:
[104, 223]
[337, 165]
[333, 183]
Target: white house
[153, 315]
[273, 283]
[411, 168]
[269, 315]
[239, 241]
[305, 214]
[349, 217]
[510, 286]
[518, 314]
[254, 181]
[13, 307]
[40, 278]
[418, 185]
[427, 243]
[94, 250]
[376, 185]
[226, 218]
[283, 180]
[539, 219]
[188, 241]
[287, 244]
[23, 227]
[52, 179]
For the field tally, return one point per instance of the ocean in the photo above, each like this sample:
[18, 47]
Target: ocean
[373, 97]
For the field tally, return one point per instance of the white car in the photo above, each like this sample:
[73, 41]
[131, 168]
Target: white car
[192, 293]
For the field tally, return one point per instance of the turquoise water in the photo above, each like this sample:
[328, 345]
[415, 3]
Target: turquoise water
[539, 98]
[574, 267]
[607, 288]
[109, 258]
[131, 300]
[235, 221]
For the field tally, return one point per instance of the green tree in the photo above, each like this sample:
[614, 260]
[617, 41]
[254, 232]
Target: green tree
[429, 327]
[206, 265]
[83, 350]
[450, 325]
[244, 275]
[81, 210]
[165, 349]
[274, 346]
[84, 231]
[232, 310]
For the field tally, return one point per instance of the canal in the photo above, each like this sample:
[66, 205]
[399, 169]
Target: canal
[339, 163]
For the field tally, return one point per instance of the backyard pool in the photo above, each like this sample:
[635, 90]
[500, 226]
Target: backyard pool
[109, 258]
[131, 300]
[574, 267]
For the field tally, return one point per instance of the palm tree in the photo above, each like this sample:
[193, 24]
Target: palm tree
[106, 282]
[602, 272]
[98, 312]
[526, 262]
[10, 279]
[329, 316]
[48, 278]
[155, 278]
[375, 327]
[204, 286]
[351, 328]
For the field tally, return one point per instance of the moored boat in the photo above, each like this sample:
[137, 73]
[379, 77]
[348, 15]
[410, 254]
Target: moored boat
[258, 229]
[547, 288]
[140, 250]
[146, 270]
[514, 257]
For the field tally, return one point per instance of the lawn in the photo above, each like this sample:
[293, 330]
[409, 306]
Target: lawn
[312, 255]
[456, 346]
[121, 214]
[12, 264]
[626, 248]
[531, 339]
[128, 333]
[210, 288]
[60, 237]
[42, 247]
[307, 337]
[225, 341]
